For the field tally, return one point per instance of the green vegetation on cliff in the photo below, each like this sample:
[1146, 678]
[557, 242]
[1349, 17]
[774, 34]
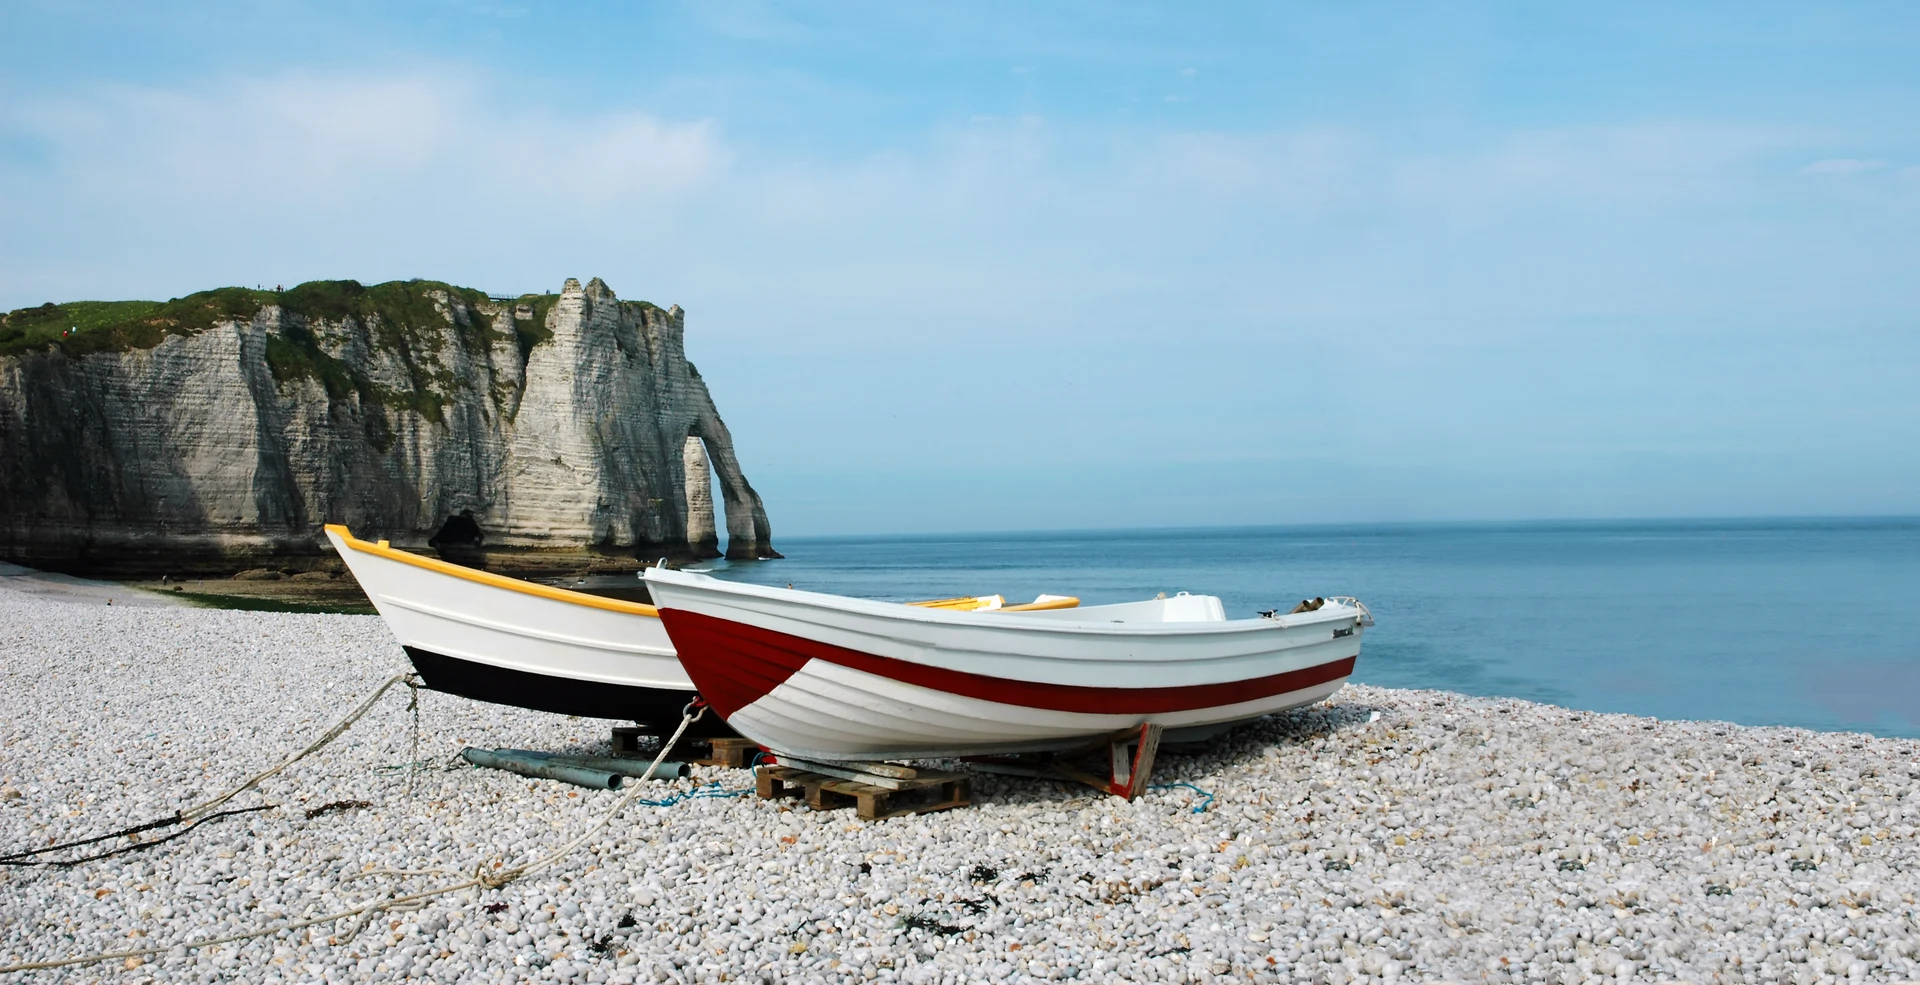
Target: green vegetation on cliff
[81, 327]
[406, 319]
[409, 321]
[399, 311]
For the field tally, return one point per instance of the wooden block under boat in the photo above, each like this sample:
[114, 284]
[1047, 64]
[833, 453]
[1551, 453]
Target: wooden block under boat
[626, 739]
[732, 754]
[1123, 767]
[931, 790]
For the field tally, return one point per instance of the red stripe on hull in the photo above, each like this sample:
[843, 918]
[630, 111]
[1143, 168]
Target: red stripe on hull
[731, 671]
[733, 665]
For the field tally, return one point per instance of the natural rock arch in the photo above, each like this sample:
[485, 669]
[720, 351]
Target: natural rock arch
[749, 534]
[602, 348]
[702, 538]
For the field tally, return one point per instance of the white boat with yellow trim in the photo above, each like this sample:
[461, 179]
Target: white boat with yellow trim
[824, 677]
[505, 640]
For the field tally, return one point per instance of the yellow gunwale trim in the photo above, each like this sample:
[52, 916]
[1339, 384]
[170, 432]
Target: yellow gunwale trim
[489, 578]
[964, 602]
[1062, 603]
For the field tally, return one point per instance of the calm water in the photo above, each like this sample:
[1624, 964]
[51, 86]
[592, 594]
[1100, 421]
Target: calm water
[1799, 622]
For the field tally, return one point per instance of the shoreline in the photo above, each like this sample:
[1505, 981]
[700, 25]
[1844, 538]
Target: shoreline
[67, 588]
[1416, 835]
[320, 591]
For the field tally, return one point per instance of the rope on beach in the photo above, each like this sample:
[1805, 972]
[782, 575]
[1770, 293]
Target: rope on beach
[413, 758]
[1169, 786]
[205, 811]
[195, 812]
[143, 845]
[691, 714]
[710, 791]
[482, 879]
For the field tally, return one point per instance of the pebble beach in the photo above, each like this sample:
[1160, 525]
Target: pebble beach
[1381, 836]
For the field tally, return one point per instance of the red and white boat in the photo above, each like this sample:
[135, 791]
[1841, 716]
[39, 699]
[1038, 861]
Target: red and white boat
[824, 677]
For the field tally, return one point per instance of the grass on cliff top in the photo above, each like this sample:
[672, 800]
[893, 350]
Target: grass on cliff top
[403, 310]
[402, 319]
[81, 327]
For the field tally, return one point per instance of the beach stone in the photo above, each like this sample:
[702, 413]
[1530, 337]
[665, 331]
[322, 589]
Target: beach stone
[1383, 836]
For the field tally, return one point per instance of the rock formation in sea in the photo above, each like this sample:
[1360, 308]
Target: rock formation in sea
[227, 426]
[701, 536]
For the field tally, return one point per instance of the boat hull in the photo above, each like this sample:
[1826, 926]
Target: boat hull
[511, 642]
[861, 682]
[553, 693]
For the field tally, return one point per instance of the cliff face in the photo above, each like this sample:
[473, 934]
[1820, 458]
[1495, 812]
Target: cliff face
[203, 434]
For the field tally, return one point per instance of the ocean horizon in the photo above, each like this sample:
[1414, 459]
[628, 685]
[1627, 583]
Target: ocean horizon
[1790, 621]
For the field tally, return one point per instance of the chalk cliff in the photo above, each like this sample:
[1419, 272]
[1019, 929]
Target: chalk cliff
[227, 426]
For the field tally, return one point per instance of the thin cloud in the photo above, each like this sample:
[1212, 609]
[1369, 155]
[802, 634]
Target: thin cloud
[446, 172]
[1844, 165]
[432, 134]
[363, 171]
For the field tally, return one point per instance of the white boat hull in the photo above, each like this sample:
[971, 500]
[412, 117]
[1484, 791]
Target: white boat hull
[827, 678]
[518, 643]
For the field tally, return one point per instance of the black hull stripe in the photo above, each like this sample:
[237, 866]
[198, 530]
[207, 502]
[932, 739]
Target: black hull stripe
[657, 707]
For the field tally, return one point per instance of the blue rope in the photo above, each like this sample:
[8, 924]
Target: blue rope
[753, 766]
[708, 791]
[1169, 786]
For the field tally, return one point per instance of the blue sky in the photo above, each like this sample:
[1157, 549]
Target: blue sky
[990, 267]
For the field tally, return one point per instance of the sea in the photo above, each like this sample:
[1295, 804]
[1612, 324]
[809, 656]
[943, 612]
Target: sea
[1802, 622]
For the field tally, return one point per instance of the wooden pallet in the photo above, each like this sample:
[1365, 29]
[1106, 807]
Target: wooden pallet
[1120, 764]
[924, 792]
[732, 754]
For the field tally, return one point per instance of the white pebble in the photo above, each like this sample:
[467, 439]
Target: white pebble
[1404, 835]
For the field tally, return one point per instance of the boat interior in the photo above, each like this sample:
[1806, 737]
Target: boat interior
[1173, 608]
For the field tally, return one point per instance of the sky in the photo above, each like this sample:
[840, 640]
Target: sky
[999, 267]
